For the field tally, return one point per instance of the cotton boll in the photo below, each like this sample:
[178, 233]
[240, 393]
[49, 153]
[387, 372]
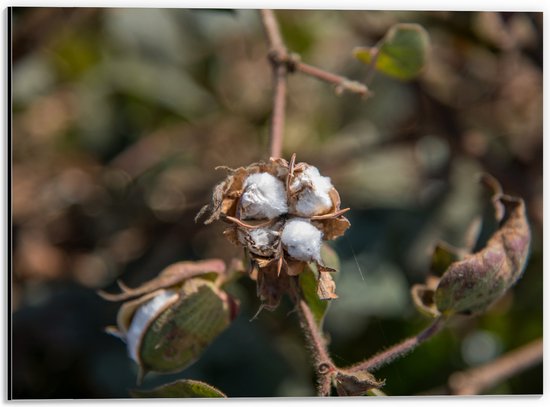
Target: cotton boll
[302, 240]
[141, 320]
[264, 197]
[312, 191]
[261, 241]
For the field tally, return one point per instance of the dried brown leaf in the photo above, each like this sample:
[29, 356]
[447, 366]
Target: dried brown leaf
[170, 276]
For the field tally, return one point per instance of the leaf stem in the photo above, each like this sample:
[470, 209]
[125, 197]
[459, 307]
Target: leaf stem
[399, 350]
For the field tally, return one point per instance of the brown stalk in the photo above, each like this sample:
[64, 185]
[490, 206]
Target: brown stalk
[279, 76]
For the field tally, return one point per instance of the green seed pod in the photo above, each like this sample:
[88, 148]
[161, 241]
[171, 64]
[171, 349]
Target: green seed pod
[167, 330]
[471, 285]
[472, 282]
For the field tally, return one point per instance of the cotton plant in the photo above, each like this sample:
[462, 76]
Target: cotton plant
[282, 214]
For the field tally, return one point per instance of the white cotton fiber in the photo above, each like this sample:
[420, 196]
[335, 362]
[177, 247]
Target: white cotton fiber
[302, 240]
[141, 319]
[313, 196]
[262, 241]
[264, 197]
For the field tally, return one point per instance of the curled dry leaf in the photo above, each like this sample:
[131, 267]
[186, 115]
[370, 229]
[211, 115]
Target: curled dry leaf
[470, 285]
[326, 288]
[170, 276]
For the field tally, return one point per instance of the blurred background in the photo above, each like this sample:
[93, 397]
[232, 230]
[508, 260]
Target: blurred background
[121, 115]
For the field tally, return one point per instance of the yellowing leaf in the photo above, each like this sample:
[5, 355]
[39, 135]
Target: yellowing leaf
[402, 53]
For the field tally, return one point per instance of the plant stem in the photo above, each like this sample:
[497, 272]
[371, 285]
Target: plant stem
[478, 379]
[342, 83]
[272, 30]
[399, 350]
[324, 365]
[280, 71]
[284, 63]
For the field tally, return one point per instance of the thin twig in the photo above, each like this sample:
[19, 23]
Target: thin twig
[272, 30]
[476, 380]
[399, 350]
[280, 71]
[342, 83]
[279, 107]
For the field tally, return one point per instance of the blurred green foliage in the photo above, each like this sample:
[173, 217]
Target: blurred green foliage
[121, 115]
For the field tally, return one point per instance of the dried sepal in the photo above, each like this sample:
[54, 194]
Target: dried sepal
[326, 288]
[355, 383]
[332, 228]
[170, 276]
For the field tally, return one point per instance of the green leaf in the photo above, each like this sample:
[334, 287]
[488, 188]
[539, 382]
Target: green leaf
[308, 283]
[402, 53]
[180, 389]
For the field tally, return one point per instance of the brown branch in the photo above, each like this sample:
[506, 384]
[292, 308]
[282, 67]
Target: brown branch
[272, 30]
[280, 71]
[476, 380]
[399, 350]
[324, 365]
[342, 83]
[284, 63]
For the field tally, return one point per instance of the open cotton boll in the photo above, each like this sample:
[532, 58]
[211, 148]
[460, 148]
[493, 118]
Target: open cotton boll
[302, 240]
[141, 320]
[264, 197]
[313, 193]
[262, 241]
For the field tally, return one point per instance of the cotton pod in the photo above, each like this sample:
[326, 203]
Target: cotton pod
[310, 192]
[302, 240]
[264, 197]
[472, 282]
[260, 241]
[167, 330]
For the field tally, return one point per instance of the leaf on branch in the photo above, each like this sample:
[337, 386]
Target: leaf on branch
[308, 284]
[317, 285]
[402, 53]
[180, 389]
